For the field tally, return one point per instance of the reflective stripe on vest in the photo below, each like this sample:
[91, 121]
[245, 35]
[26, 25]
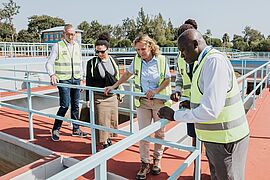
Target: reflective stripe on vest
[68, 63]
[182, 69]
[229, 101]
[231, 124]
[161, 62]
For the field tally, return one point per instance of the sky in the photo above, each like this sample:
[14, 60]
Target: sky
[220, 16]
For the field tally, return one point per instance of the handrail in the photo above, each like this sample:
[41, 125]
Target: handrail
[18, 49]
[263, 68]
[101, 169]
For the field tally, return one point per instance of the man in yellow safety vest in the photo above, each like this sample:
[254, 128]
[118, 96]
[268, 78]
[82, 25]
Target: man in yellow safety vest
[64, 66]
[216, 108]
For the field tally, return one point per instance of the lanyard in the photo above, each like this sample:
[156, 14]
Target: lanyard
[205, 52]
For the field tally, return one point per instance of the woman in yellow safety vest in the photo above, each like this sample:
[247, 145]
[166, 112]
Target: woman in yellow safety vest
[151, 76]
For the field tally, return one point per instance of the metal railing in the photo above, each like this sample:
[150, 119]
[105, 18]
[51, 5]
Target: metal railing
[20, 49]
[257, 83]
[100, 159]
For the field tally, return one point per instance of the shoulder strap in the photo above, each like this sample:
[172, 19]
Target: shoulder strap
[106, 72]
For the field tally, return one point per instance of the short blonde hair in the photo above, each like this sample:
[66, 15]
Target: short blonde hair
[144, 38]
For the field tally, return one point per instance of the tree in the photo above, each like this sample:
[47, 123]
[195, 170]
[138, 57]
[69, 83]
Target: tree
[252, 37]
[85, 27]
[142, 22]
[124, 43]
[207, 36]
[129, 27]
[226, 40]
[239, 43]
[216, 42]
[264, 45]
[25, 36]
[36, 24]
[7, 32]
[10, 9]
[118, 32]
[169, 32]
[158, 26]
[95, 29]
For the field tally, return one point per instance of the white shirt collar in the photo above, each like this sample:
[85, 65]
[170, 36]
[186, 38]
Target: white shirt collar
[203, 53]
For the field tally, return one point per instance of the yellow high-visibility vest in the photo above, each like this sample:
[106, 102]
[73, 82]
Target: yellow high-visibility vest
[231, 124]
[68, 63]
[161, 61]
[182, 69]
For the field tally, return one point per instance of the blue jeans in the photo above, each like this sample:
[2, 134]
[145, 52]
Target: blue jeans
[68, 95]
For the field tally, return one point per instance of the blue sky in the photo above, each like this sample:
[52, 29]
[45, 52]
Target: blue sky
[229, 16]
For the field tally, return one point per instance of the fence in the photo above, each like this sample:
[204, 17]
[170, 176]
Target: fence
[20, 49]
[98, 161]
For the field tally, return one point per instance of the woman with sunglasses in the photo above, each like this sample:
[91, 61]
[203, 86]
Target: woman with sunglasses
[152, 76]
[102, 71]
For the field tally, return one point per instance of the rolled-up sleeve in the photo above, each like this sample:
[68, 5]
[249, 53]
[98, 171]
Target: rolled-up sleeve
[49, 66]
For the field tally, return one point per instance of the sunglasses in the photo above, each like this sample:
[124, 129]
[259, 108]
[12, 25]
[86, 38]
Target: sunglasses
[102, 52]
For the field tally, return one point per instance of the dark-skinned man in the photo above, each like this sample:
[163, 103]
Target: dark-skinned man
[183, 79]
[216, 108]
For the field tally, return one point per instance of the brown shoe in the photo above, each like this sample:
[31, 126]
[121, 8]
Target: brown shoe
[145, 169]
[156, 167]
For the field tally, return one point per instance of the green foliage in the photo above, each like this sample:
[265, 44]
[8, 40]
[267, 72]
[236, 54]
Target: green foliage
[216, 42]
[129, 27]
[25, 36]
[170, 31]
[122, 35]
[264, 45]
[85, 27]
[239, 43]
[124, 43]
[36, 24]
[39, 23]
[169, 43]
[7, 32]
[10, 9]
[142, 23]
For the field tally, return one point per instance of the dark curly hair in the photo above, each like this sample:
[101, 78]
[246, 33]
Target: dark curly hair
[192, 22]
[183, 28]
[103, 39]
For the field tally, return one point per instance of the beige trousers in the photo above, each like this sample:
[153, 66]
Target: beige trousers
[146, 113]
[106, 114]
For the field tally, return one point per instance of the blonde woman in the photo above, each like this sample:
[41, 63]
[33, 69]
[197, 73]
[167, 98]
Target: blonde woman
[151, 76]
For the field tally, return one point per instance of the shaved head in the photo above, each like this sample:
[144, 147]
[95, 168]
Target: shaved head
[191, 43]
[190, 35]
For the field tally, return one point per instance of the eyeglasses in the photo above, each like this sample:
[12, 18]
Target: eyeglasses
[102, 52]
[70, 34]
